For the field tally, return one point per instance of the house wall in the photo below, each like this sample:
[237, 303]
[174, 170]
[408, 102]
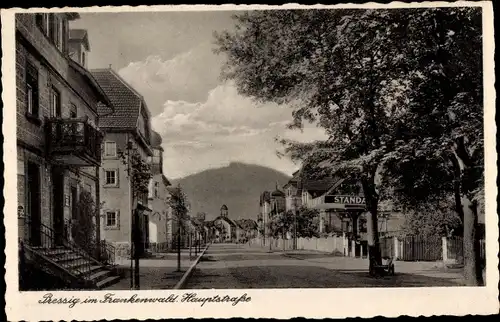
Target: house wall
[53, 71]
[160, 212]
[116, 198]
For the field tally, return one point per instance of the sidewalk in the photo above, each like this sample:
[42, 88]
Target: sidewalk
[358, 265]
[158, 272]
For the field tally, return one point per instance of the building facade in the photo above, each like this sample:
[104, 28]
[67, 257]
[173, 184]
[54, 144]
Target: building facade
[58, 142]
[161, 221]
[127, 137]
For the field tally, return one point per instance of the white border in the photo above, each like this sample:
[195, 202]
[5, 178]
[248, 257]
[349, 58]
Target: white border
[277, 303]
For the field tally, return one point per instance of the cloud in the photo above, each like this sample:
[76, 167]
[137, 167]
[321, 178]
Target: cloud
[226, 127]
[187, 76]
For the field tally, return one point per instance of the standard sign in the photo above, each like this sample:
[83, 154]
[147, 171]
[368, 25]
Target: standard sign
[346, 200]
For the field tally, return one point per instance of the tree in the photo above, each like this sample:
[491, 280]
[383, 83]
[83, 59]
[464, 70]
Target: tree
[444, 122]
[338, 68]
[433, 221]
[307, 222]
[398, 93]
[179, 205]
[281, 224]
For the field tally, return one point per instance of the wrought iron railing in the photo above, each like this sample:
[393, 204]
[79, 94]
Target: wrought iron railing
[107, 253]
[54, 246]
[66, 134]
[103, 252]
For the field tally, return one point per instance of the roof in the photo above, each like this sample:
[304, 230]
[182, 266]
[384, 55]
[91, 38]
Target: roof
[230, 221]
[101, 95]
[79, 35]
[224, 207]
[318, 185]
[127, 102]
[156, 139]
[277, 192]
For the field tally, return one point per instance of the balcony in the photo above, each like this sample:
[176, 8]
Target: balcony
[73, 142]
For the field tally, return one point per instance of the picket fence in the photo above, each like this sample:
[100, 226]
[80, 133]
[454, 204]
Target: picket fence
[408, 248]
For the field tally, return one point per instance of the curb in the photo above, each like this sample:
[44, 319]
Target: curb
[188, 273]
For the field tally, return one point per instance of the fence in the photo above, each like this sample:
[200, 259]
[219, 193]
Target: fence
[160, 247]
[455, 250]
[333, 244]
[418, 248]
[408, 248]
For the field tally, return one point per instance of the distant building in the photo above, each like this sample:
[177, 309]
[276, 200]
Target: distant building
[161, 221]
[293, 198]
[226, 229]
[271, 204]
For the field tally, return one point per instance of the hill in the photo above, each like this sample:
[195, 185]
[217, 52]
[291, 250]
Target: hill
[238, 186]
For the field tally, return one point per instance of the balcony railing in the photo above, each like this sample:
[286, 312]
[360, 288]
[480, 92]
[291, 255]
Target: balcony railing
[74, 141]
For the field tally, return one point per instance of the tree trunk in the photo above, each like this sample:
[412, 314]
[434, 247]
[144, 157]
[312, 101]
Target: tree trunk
[472, 259]
[178, 245]
[371, 197]
[465, 178]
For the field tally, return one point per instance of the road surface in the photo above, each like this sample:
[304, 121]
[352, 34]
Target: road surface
[239, 266]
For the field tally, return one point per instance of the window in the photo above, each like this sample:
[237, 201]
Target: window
[88, 188]
[72, 111]
[111, 219]
[83, 58]
[31, 90]
[55, 103]
[50, 24]
[304, 198]
[110, 149]
[111, 177]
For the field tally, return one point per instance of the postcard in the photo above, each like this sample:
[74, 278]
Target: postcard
[250, 161]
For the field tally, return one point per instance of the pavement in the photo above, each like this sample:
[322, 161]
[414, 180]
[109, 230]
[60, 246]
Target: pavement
[239, 266]
[155, 273]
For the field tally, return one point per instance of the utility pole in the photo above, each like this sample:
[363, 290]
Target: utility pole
[131, 206]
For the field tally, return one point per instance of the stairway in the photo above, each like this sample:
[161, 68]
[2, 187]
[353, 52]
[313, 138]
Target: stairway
[75, 267]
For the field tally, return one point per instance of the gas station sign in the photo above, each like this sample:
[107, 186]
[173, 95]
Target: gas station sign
[346, 200]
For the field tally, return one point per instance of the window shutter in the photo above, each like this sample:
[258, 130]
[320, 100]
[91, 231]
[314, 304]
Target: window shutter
[117, 214]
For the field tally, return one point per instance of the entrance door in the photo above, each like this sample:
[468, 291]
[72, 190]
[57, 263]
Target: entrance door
[33, 204]
[58, 214]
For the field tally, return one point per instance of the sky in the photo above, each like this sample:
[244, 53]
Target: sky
[168, 58]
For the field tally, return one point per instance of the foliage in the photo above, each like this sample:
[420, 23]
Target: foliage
[83, 227]
[398, 93]
[140, 171]
[247, 224]
[200, 216]
[434, 220]
[307, 222]
[179, 204]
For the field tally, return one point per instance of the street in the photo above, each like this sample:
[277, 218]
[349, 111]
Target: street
[239, 266]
